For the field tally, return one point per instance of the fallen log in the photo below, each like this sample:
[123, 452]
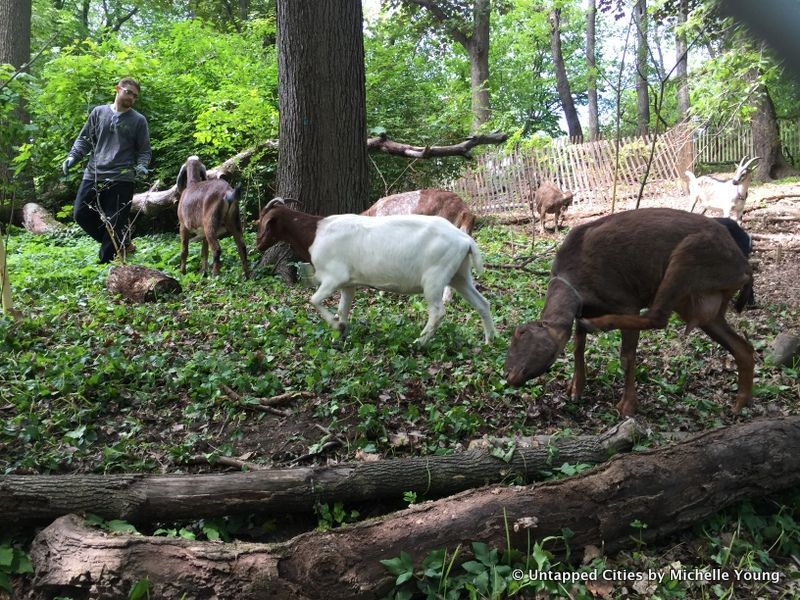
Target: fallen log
[668, 489]
[140, 284]
[37, 219]
[136, 498]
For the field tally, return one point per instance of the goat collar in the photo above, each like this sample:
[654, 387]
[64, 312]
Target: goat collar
[574, 291]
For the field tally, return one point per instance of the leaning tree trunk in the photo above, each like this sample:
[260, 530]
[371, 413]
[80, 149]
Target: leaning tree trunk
[668, 489]
[562, 82]
[35, 499]
[322, 158]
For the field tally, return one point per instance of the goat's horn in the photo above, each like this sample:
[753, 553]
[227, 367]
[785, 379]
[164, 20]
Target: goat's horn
[275, 202]
[751, 161]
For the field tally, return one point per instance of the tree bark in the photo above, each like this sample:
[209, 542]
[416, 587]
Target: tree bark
[478, 49]
[642, 94]
[137, 498]
[141, 284]
[591, 70]
[37, 219]
[682, 57]
[562, 82]
[322, 158]
[668, 489]
[767, 140]
[15, 49]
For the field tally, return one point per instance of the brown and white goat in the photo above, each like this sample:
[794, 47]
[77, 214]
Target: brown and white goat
[727, 195]
[428, 201]
[606, 271]
[405, 254]
[549, 198]
[208, 210]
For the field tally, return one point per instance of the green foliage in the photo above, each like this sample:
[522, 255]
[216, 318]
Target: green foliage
[203, 92]
[13, 561]
[334, 516]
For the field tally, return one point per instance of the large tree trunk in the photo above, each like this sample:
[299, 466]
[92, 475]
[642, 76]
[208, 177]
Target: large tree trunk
[136, 498]
[767, 140]
[322, 156]
[562, 82]
[682, 56]
[642, 93]
[591, 70]
[478, 49]
[668, 489]
[15, 49]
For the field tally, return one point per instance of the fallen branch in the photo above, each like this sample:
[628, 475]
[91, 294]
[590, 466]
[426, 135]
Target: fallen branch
[668, 489]
[383, 144]
[139, 498]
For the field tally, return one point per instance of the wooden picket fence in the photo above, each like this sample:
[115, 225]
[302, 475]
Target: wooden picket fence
[730, 145]
[501, 182]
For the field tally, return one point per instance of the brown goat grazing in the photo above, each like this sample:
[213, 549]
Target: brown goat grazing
[429, 201]
[549, 198]
[208, 209]
[606, 271]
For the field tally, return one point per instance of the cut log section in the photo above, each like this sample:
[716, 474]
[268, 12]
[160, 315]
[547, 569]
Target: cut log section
[668, 489]
[141, 284]
[37, 219]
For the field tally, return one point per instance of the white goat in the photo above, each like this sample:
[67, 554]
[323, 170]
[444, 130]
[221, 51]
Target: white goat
[407, 254]
[727, 195]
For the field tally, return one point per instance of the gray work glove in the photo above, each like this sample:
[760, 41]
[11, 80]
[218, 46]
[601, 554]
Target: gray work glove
[65, 166]
[141, 170]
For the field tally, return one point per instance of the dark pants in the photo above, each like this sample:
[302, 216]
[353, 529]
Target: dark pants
[101, 209]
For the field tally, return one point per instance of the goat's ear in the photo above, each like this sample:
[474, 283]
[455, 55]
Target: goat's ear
[181, 183]
[203, 174]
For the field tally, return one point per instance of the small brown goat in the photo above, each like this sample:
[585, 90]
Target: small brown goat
[208, 209]
[429, 201]
[606, 271]
[549, 198]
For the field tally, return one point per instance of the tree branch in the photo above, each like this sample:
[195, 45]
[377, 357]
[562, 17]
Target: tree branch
[383, 144]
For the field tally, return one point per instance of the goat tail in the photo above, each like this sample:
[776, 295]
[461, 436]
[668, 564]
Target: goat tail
[476, 257]
[233, 194]
[745, 297]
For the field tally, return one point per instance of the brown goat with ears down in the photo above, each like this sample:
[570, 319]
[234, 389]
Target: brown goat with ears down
[606, 271]
[208, 210]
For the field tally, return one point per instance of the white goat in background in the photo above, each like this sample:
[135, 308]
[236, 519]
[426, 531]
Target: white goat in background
[727, 195]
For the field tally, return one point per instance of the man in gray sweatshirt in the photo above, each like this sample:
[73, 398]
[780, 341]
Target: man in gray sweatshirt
[117, 141]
